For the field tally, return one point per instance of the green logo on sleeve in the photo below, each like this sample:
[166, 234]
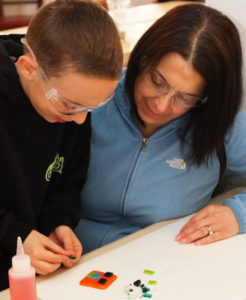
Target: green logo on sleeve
[56, 166]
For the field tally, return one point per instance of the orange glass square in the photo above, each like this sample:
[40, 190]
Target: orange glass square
[94, 282]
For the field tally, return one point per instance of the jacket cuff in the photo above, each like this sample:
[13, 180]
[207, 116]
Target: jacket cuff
[239, 210]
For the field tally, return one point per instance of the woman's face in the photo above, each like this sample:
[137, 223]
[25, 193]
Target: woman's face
[74, 89]
[168, 91]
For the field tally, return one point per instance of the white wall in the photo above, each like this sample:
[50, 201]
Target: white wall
[236, 10]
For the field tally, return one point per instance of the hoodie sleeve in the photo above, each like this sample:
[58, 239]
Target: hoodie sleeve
[62, 204]
[11, 201]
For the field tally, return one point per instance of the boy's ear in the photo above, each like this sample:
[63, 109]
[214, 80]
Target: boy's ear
[27, 66]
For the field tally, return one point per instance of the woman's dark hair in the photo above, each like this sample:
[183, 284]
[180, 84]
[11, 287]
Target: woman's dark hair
[77, 34]
[209, 41]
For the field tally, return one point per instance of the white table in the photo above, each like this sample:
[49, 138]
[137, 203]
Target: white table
[4, 295]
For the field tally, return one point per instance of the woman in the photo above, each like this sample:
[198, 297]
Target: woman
[71, 64]
[174, 125]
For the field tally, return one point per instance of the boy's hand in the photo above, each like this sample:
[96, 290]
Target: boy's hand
[66, 238]
[46, 256]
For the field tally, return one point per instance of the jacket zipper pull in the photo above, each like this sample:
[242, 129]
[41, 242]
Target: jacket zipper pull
[143, 145]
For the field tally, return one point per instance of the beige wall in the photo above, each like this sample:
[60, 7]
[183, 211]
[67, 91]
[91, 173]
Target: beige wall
[29, 9]
[237, 11]
[24, 9]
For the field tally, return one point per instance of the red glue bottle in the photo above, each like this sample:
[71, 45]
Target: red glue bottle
[22, 279]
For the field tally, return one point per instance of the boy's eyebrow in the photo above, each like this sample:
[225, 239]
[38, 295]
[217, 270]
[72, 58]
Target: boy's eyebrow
[70, 101]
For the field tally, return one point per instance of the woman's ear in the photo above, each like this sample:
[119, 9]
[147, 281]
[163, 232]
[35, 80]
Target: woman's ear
[27, 66]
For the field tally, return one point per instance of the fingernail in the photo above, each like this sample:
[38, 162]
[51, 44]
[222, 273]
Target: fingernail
[178, 237]
[184, 240]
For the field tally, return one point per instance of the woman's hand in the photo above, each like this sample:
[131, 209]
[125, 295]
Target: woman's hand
[46, 256]
[218, 218]
[66, 238]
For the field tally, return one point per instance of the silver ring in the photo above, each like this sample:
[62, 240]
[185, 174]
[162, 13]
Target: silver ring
[210, 230]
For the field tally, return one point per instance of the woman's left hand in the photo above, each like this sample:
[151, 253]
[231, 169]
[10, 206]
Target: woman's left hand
[65, 237]
[210, 224]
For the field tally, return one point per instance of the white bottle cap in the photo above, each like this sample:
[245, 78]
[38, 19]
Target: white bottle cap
[21, 261]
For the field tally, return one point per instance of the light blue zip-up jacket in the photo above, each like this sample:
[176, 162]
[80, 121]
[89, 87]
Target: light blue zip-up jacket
[133, 182]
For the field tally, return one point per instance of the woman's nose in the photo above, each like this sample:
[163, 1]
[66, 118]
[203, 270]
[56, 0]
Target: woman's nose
[164, 102]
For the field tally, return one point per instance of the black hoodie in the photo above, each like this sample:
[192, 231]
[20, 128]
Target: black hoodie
[34, 193]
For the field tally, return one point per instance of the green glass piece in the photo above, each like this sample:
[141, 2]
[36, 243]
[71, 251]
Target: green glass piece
[152, 282]
[145, 288]
[149, 272]
[91, 274]
[147, 295]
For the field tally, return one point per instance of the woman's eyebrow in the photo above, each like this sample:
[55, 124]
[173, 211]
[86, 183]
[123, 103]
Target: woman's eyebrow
[161, 75]
[164, 79]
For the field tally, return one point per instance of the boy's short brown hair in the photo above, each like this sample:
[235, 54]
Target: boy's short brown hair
[76, 34]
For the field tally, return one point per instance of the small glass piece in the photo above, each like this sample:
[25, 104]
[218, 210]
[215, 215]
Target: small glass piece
[137, 282]
[147, 295]
[149, 272]
[91, 274]
[95, 276]
[152, 282]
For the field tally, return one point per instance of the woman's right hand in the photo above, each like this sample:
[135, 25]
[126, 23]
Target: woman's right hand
[46, 256]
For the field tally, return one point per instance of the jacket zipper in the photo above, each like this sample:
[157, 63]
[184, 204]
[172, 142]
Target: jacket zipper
[143, 145]
[142, 148]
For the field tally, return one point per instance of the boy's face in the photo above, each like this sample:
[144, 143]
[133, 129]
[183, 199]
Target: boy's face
[75, 93]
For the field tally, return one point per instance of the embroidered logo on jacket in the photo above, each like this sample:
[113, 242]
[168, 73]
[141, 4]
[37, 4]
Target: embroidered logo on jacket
[177, 163]
[56, 166]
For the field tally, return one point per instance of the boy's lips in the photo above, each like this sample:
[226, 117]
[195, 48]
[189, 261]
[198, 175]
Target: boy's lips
[59, 120]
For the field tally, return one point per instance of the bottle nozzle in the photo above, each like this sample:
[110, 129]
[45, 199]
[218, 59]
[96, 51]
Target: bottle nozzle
[19, 248]
[21, 261]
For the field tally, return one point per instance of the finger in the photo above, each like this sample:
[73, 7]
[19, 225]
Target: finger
[68, 264]
[77, 247]
[209, 210]
[68, 243]
[72, 242]
[53, 247]
[77, 250]
[50, 257]
[198, 216]
[44, 268]
[217, 236]
[194, 227]
[195, 235]
[54, 238]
